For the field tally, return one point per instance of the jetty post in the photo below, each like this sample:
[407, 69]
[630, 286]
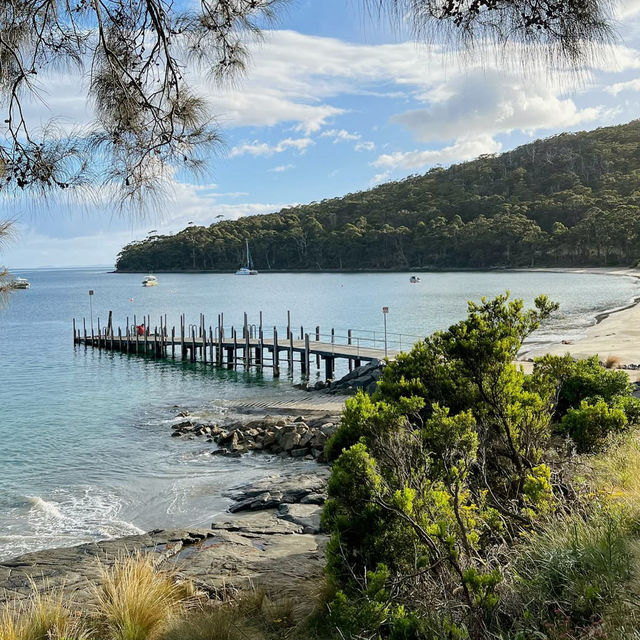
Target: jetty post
[290, 352]
[307, 356]
[276, 354]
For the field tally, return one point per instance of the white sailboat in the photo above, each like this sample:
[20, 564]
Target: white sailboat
[247, 270]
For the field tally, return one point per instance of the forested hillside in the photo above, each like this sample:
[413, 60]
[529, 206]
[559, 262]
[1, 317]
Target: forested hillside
[572, 199]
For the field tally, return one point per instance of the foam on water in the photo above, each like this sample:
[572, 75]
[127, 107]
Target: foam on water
[62, 518]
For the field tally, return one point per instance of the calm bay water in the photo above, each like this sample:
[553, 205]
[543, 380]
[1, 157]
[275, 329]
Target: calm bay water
[85, 451]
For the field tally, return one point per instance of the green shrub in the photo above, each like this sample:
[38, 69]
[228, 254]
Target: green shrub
[631, 407]
[366, 419]
[442, 465]
[590, 425]
[581, 380]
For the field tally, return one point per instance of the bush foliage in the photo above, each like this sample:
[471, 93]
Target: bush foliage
[451, 465]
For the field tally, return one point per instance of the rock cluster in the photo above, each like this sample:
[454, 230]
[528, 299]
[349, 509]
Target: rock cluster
[363, 377]
[277, 435]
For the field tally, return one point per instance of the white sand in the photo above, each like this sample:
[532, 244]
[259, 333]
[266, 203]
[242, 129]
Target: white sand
[616, 336]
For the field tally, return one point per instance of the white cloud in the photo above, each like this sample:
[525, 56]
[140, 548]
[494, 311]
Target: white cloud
[627, 9]
[60, 244]
[491, 104]
[282, 168]
[365, 146]
[340, 135]
[380, 177]
[263, 149]
[463, 149]
[619, 87]
[296, 79]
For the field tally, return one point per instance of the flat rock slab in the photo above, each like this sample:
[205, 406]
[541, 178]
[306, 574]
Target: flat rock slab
[264, 550]
[275, 490]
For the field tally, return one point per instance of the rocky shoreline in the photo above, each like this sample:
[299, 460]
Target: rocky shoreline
[284, 435]
[271, 539]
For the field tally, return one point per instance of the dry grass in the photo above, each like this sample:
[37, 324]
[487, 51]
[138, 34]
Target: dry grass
[220, 622]
[136, 602]
[615, 471]
[612, 362]
[41, 617]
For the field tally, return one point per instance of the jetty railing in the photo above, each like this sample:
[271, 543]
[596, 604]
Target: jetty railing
[251, 345]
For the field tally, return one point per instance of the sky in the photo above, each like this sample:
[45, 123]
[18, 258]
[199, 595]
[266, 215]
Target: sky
[332, 103]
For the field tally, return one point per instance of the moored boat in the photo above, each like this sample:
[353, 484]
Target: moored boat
[247, 270]
[20, 283]
[150, 281]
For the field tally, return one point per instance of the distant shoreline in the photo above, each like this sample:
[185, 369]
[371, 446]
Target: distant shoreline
[585, 270]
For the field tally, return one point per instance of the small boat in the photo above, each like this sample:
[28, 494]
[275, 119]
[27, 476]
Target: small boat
[150, 281]
[414, 279]
[247, 270]
[20, 283]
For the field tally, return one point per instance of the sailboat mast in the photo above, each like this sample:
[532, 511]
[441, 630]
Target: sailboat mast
[249, 264]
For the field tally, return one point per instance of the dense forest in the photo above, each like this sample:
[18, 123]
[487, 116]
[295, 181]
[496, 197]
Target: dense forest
[572, 199]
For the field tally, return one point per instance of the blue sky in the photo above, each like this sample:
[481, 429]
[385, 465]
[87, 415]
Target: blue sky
[334, 103]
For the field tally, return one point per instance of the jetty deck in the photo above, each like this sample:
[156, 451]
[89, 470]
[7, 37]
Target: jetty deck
[251, 346]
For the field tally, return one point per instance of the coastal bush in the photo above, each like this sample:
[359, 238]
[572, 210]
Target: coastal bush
[590, 425]
[136, 602]
[631, 407]
[578, 380]
[433, 496]
[364, 418]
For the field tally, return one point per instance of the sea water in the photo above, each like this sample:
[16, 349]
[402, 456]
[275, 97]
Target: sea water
[85, 446]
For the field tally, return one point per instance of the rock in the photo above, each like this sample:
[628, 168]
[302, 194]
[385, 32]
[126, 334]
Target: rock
[305, 439]
[183, 426]
[229, 440]
[256, 503]
[289, 441]
[314, 498]
[320, 384]
[253, 550]
[299, 453]
[305, 515]
[289, 489]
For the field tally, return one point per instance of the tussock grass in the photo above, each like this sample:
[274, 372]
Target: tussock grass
[211, 623]
[136, 602]
[41, 617]
[612, 362]
[616, 471]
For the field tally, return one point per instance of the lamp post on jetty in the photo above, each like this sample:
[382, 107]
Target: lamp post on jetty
[385, 310]
[91, 308]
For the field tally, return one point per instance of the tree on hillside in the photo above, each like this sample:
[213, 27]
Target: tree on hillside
[136, 54]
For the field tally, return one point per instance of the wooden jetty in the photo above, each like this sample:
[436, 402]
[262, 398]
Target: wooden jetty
[252, 346]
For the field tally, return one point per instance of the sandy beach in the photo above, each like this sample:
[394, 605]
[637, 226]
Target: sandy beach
[615, 335]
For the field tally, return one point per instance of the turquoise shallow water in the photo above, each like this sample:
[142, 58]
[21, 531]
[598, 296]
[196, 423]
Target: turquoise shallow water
[85, 449]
